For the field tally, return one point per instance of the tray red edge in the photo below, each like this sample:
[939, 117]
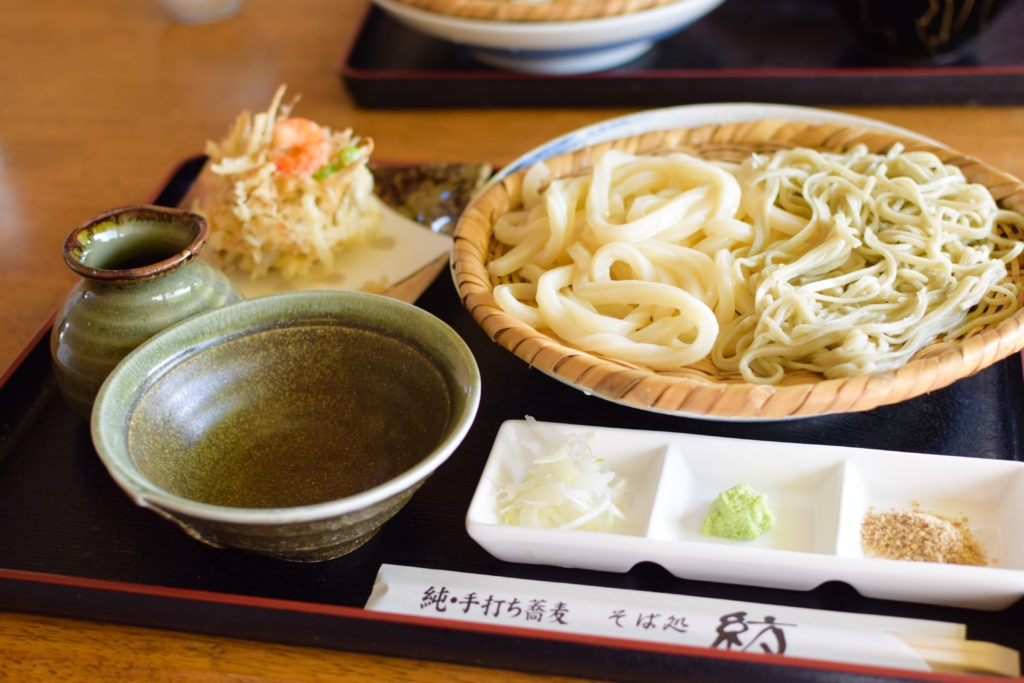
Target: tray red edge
[187, 595]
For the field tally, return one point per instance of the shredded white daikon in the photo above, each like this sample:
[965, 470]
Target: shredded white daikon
[566, 488]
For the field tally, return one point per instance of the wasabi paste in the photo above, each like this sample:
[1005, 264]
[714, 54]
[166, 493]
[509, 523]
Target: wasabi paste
[740, 513]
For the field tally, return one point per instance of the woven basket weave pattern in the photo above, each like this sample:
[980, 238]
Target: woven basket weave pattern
[702, 389]
[555, 10]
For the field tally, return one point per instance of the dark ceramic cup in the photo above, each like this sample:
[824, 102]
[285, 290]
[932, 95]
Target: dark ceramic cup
[908, 31]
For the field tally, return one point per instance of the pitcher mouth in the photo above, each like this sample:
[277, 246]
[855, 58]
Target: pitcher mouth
[135, 242]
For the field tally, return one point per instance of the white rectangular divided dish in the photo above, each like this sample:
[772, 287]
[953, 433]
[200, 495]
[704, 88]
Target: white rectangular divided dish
[818, 494]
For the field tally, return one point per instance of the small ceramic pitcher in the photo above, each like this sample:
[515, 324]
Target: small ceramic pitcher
[140, 274]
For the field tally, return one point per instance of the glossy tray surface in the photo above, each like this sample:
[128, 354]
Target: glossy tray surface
[61, 515]
[787, 51]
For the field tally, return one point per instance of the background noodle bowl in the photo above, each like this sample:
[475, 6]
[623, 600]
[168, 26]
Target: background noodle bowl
[702, 389]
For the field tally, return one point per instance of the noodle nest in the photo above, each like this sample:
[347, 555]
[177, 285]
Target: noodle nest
[763, 270]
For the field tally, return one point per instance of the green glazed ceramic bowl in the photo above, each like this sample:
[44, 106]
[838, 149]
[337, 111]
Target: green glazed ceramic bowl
[292, 425]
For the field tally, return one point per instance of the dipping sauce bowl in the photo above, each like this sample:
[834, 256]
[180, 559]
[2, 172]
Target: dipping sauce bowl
[292, 425]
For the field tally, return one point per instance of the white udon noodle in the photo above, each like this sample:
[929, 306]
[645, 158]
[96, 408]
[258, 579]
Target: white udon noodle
[836, 263]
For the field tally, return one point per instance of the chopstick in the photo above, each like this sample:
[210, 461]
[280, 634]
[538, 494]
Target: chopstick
[965, 656]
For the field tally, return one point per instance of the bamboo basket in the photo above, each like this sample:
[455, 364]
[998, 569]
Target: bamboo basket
[702, 390]
[554, 10]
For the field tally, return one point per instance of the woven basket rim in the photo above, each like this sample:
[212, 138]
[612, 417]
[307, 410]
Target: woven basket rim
[729, 398]
[556, 10]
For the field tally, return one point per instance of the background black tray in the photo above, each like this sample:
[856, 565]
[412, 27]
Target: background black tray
[72, 544]
[784, 51]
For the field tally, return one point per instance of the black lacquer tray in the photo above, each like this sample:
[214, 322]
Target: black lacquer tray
[785, 51]
[72, 544]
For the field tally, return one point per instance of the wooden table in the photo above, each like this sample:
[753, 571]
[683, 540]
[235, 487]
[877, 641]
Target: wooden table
[99, 100]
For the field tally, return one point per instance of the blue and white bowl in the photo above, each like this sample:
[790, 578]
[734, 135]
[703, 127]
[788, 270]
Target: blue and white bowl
[555, 47]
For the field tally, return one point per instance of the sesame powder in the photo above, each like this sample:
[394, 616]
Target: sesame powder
[910, 534]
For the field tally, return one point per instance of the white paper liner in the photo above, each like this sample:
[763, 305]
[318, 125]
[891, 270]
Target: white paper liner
[655, 617]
